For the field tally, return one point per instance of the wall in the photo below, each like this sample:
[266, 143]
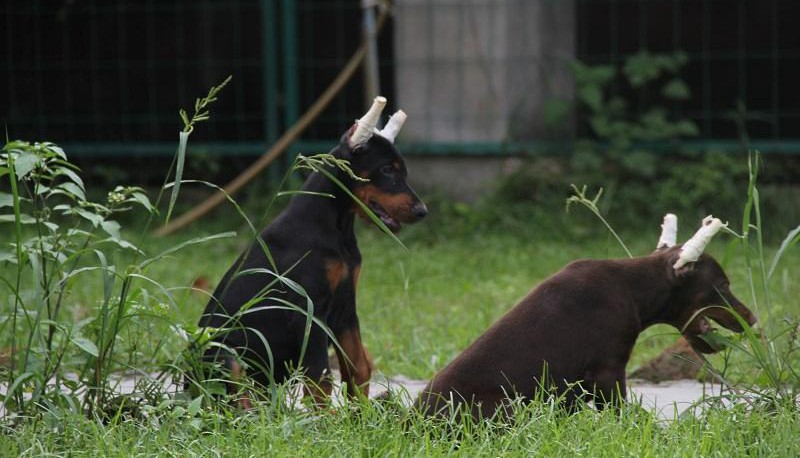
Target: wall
[482, 70]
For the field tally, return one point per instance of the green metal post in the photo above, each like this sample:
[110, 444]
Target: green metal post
[269, 74]
[290, 70]
[290, 59]
[372, 86]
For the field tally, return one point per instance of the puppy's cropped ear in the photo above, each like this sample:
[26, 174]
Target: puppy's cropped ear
[669, 232]
[684, 269]
[345, 151]
[670, 257]
[364, 128]
[692, 249]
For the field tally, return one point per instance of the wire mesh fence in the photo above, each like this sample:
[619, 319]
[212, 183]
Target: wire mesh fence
[475, 76]
[740, 51]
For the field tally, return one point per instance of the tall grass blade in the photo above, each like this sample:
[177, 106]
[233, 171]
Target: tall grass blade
[181, 159]
[243, 215]
[182, 245]
[18, 305]
[791, 239]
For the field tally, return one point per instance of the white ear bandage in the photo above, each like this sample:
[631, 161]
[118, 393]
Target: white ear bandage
[669, 232]
[365, 127]
[393, 126]
[694, 247]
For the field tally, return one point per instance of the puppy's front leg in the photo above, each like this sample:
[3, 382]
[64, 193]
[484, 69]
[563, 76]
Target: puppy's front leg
[318, 384]
[354, 361]
[609, 387]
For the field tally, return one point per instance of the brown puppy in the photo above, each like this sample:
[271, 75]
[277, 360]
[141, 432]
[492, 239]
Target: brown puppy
[576, 330]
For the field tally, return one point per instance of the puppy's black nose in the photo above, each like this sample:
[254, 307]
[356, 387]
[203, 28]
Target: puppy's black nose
[420, 210]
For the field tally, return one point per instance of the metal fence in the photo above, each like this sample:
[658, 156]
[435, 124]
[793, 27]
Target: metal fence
[107, 78]
[740, 52]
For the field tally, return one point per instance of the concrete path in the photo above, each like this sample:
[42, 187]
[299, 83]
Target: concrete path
[667, 399]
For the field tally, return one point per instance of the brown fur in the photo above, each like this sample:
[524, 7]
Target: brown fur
[335, 271]
[400, 205]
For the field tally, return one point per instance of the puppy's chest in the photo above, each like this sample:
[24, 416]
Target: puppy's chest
[341, 274]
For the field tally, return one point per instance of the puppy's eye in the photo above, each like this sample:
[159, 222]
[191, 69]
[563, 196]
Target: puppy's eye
[387, 170]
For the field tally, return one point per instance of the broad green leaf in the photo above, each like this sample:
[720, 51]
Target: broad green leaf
[592, 75]
[23, 218]
[716, 340]
[6, 200]
[93, 218]
[57, 150]
[642, 68]
[18, 382]
[194, 407]
[72, 190]
[600, 125]
[676, 89]
[8, 256]
[16, 145]
[86, 345]
[112, 228]
[25, 163]
[77, 232]
[687, 128]
[72, 176]
[592, 97]
[142, 200]
[123, 243]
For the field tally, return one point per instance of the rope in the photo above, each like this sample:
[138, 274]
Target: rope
[280, 145]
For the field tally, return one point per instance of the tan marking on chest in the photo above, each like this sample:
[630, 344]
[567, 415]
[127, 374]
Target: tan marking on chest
[336, 271]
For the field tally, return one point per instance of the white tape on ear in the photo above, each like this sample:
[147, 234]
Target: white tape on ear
[669, 232]
[365, 126]
[393, 126]
[694, 247]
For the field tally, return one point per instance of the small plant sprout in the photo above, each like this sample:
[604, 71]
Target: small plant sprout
[579, 197]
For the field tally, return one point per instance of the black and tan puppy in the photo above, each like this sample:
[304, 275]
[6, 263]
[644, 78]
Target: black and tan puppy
[313, 241]
[574, 333]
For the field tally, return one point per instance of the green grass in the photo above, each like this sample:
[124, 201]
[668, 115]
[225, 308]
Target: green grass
[539, 430]
[419, 308]
[422, 307]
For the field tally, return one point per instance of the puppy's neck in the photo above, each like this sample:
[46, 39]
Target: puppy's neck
[652, 288]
